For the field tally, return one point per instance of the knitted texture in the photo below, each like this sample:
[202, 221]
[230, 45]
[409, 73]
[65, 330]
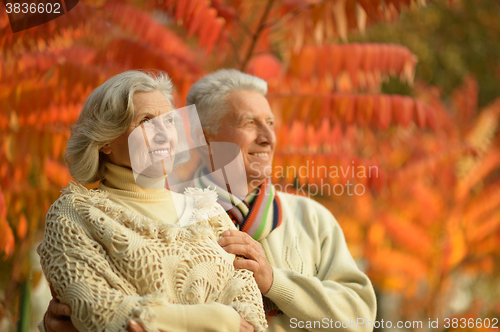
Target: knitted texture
[111, 264]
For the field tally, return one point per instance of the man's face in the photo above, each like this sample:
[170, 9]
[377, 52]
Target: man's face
[249, 123]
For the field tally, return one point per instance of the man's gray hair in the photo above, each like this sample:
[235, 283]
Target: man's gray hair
[210, 93]
[106, 115]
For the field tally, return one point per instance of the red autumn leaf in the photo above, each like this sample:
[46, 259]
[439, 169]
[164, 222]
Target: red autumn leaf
[6, 236]
[307, 60]
[323, 131]
[265, 66]
[408, 235]
[383, 59]
[345, 107]
[364, 108]
[297, 132]
[337, 58]
[420, 114]
[22, 227]
[369, 57]
[188, 17]
[208, 18]
[181, 8]
[393, 52]
[382, 111]
[353, 59]
[215, 30]
[431, 117]
[402, 109]
[324, 60]
[336, 135]
[312, 141]
[198, 16]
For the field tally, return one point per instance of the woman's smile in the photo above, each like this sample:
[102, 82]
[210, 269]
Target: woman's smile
[162, 153]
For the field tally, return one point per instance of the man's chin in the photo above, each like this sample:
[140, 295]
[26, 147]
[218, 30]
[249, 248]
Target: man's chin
[259, 170]
[257, 178]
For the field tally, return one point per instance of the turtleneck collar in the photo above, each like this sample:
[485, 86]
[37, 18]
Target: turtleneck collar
[118, 179]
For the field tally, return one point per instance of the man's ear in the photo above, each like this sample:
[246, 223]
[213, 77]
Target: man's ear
[202, 141]
[200, 137]
[106, 149]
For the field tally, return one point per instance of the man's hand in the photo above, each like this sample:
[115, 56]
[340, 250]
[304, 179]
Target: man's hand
[240, 243]
[133, 326]
[57, 317]
[245, 326]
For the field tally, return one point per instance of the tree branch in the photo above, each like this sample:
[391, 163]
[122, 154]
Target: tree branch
[235, 50]
[257, 34]
[294, 13]
[243, 26]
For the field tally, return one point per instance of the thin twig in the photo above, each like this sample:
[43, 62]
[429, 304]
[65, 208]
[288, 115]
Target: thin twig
[294, 13]
[243, 26]
[235, 50]
[257, 34]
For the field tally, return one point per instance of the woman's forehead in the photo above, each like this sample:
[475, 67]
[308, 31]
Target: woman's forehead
[151, 102]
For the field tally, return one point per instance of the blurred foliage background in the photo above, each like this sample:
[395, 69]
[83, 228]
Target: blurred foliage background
[450, 42]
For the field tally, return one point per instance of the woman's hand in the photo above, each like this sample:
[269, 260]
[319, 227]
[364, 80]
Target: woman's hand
[245, 326]
[240, 243]
[57, 317]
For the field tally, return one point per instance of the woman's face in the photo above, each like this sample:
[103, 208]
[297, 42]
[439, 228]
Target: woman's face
[148, 146]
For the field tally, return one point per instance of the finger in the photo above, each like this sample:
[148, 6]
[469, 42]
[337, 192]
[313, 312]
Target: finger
[133, 326]
[59, 309]
[226, 240]
[233, 232]
[245, 326]
[262, 273]
[53, 292]
[59, 325]
[246, 264]
[242, 250]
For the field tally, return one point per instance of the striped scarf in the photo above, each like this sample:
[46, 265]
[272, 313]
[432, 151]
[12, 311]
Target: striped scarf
[258, 214]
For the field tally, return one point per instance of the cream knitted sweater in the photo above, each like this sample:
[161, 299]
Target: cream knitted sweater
[112, 264]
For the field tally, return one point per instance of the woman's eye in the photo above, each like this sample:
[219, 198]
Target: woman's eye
[145, 121]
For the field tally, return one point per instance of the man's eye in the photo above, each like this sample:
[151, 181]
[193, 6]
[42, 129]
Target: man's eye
[169, 120]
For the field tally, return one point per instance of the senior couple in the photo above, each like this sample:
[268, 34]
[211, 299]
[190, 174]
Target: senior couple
[303, 274]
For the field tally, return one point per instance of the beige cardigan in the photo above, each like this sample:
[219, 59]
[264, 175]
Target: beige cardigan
[316, 283]
[119, 253]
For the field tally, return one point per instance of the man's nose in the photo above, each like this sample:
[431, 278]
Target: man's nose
[266, 135]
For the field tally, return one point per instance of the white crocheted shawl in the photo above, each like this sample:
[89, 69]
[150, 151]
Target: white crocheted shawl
[110, 264]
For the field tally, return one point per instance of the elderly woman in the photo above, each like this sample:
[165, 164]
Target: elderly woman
[118, 253]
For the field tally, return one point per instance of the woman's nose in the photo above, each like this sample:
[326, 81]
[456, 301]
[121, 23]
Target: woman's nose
[161, 132]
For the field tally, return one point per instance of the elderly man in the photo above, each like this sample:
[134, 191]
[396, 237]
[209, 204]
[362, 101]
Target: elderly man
[293, 245]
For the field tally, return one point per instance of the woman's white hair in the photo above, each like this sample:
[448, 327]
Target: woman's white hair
[107, 114]
[210, 93]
